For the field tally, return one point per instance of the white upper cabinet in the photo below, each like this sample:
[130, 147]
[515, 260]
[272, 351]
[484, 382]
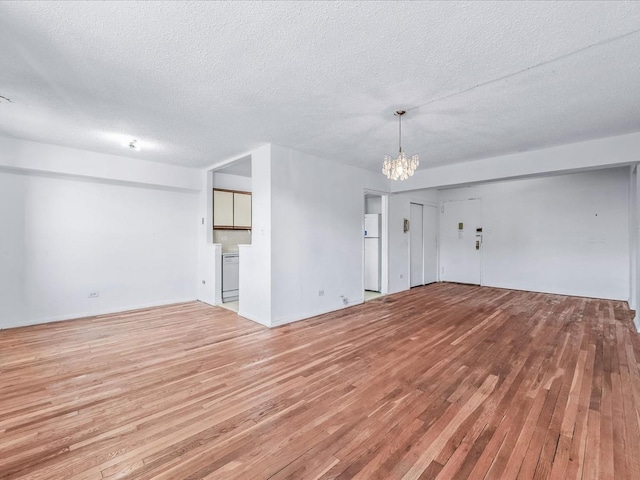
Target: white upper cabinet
[222, 209]
[242, 210]
[231, 210]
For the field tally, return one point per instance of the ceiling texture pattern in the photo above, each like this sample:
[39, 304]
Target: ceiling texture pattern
[199, 82]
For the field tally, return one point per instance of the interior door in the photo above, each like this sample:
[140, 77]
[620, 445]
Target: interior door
[416, 246]
[460, 256]
[430, 216]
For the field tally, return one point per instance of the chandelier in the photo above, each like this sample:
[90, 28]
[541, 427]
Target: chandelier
[402, 167]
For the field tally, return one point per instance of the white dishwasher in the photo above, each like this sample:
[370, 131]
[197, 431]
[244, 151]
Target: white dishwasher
[230, 276]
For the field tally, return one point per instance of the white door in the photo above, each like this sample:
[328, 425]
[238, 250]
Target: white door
[430, 215]
[460, 256]
[416, 245]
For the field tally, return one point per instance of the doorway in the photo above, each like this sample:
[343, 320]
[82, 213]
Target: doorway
[374, 245]
[461, 241]
[231, 199]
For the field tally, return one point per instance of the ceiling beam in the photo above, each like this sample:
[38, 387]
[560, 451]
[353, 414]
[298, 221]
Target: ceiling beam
[589, 155]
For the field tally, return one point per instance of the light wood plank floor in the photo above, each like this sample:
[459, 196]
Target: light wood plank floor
[444, 381]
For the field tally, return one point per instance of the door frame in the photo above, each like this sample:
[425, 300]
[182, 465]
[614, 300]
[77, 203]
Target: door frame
[384, 238]
[440, 210]
[436, 205]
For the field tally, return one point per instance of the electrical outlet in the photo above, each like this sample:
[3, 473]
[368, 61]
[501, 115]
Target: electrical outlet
[94, 294]
[204, 282]
[224, 239]
[321, 293]
[402, 275]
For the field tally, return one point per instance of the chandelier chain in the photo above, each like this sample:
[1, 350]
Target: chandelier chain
[399, 131]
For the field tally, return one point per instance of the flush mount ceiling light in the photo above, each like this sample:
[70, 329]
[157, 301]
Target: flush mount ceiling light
[402, 167]
[128, 140]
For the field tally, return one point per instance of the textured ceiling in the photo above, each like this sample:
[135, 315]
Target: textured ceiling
[198, 82]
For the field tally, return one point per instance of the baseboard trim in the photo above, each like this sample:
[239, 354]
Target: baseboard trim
[253, 318]
[307, 315]
[79, 315]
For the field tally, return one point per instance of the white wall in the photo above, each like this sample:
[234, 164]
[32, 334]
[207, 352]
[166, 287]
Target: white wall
[256, 259]
[75, 222]
[317, 215]
[78, 222]
[399, 209]
[209, 265]
[35, 157]
[634, 242]
[373, 204]
[398, 244]
[64, 237]
[231, 182]
[633, 235]
[567, 234]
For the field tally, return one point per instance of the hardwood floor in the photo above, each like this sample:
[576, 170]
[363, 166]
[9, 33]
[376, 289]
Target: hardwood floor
[444, 381]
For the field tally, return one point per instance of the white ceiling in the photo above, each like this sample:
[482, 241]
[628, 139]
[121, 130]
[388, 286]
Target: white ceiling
[198, 82]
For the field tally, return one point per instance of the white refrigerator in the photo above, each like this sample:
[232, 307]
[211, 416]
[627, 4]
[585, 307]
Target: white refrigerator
[372, 252]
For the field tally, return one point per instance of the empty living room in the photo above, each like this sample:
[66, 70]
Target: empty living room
[319, 240]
